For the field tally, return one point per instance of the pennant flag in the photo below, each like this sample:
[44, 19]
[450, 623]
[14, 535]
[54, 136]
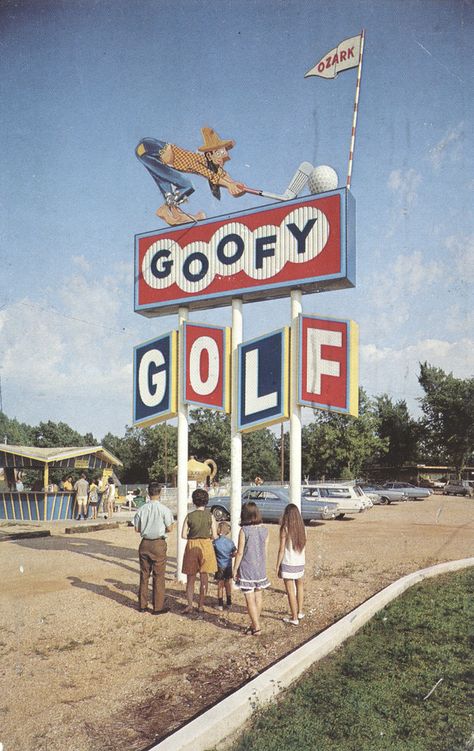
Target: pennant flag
[342, 57]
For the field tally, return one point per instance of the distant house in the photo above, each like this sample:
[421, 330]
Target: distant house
[417, 473]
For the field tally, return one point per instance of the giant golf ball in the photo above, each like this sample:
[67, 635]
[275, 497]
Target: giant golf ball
[322, 179]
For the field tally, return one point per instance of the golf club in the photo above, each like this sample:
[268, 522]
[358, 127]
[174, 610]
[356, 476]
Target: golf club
[298, 182]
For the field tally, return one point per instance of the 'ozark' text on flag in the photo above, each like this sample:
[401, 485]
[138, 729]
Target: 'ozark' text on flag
[344, 56]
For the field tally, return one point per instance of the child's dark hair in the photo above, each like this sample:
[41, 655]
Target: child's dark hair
[250, 514]
[200, 497]
[223, 528]
[293, 524]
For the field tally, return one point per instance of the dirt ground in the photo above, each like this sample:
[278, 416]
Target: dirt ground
[83, 670]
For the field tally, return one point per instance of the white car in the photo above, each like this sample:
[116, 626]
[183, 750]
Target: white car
[348, 502]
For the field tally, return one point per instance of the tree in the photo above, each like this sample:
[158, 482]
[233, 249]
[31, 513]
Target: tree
[260, 456]
[142, 452]
[162, 445]
[209, 438]
[448, 409]
[401, 431]
[51, 434]
[14, 432]
[337, 445]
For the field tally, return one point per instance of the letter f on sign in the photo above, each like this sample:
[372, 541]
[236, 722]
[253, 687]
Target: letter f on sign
[317, 365]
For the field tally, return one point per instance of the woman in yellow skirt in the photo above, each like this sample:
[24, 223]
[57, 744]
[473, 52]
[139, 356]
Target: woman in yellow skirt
[199, 529]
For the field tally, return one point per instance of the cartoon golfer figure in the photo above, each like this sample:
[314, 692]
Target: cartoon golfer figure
[166, 163]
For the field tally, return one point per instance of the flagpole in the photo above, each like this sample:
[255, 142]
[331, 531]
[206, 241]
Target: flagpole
[356, 107]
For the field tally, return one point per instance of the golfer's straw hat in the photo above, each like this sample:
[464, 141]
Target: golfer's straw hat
[212, 141]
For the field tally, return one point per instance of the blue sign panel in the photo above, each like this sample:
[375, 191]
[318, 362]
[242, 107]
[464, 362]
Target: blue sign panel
[154, 380]
[263, 386]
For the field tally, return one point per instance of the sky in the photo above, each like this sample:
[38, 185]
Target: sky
[82, 81]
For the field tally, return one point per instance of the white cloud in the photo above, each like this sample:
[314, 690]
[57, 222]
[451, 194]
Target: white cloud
[405, 185]
[81, 262]
[461, 250]
[395, 371]
[392, 293]
[67, 357]
[448, 146]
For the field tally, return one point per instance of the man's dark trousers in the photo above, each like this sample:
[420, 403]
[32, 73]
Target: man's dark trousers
[152, 555]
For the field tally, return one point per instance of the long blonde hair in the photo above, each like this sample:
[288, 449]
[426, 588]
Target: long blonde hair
[293, 524]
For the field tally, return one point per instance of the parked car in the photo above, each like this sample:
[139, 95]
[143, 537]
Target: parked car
[356, 492]
[384, 495]
[458, 487]
[272, 501]
[413, 492]
[346, 503]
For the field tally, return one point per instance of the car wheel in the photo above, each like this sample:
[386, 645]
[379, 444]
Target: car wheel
[340, 516]
[220, 514]
[384, 500]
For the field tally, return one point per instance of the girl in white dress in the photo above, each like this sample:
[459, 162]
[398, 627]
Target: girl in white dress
[291, 560]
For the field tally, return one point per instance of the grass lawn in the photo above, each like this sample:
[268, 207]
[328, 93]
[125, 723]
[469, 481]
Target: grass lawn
[372, 693]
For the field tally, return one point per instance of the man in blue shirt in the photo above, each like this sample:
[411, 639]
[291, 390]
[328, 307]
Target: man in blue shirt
[153, 521]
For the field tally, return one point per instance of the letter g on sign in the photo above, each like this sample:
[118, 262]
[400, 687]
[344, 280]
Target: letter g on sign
[152, 378]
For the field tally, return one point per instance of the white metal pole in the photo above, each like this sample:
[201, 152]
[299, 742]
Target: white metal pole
[236, 436]
[295, 409]
[182, 505]
[356, 109]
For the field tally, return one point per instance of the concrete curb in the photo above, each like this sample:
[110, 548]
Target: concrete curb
[23, 535]
[227, 716]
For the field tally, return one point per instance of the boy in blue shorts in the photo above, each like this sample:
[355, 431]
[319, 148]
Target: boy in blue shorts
[225, 550]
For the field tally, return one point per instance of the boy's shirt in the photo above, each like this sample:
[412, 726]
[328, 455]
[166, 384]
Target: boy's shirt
[225, 549]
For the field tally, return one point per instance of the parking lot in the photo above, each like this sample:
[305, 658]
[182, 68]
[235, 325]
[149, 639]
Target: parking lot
[80, 662]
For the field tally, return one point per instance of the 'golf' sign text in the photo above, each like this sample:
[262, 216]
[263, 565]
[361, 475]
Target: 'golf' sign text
[259, 254]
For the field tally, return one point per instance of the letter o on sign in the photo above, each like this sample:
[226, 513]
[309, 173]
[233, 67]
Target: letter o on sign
[204, 349]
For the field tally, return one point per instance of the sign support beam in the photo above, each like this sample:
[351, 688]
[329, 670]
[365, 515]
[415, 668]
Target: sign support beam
[236, 435]
[182, 506]
[295, 409]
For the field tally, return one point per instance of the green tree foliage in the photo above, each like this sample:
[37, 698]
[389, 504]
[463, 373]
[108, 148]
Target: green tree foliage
[146, 453]
[448, 409]
[49, 434]
[14, 432]
[401, 431]
[209, 438]
[162, 442]
[260, 456]
[337, 446]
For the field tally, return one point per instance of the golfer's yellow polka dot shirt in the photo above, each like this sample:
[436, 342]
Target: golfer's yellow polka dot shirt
[190, 161]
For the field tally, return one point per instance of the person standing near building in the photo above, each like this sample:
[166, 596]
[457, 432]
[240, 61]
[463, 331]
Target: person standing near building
[108, 498]
[153, 521]
[82, 490]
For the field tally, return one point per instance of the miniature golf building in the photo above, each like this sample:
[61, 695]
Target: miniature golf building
[42, 505]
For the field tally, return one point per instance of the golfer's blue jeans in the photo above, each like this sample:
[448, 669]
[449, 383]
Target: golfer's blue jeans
[164, 176]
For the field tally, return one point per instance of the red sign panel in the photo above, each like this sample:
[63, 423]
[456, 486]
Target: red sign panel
[328, 368]
[207, 366]
[255, 255]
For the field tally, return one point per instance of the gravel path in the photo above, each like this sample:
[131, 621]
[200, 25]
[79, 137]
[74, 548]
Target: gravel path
[83, 670]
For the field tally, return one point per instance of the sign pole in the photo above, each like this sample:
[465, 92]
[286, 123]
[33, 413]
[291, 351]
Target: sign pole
[295, 409]
[182, 506]
[236, 435]
[356, 108]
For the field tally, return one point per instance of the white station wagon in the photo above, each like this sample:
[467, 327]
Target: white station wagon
[349, 500]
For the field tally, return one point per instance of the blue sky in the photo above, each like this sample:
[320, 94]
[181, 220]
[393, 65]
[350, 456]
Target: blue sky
[83, 80]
